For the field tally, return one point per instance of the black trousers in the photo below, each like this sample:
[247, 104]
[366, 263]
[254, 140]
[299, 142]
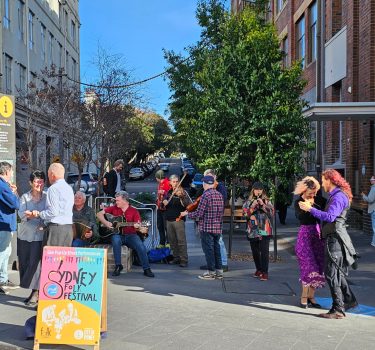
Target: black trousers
[162, 226]
[261, 249]
[334, 272]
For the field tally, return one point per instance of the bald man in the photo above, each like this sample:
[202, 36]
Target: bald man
[58, 215]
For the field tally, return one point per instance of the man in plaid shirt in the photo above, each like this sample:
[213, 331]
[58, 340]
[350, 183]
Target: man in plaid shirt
[210, 224]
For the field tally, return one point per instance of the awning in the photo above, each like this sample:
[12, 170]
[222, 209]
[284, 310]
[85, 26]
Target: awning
[340, 111]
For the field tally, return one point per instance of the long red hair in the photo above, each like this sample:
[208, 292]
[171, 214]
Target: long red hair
[339, 181]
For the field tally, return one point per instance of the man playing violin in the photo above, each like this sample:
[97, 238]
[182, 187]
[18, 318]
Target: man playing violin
[209, 215]
[128, 234]
[175, 202]
[220, 187]
[163, 188]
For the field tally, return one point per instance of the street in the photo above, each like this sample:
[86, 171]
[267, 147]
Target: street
[176, 310]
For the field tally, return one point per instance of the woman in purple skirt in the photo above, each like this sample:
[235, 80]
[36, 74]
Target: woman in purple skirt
[310, 245]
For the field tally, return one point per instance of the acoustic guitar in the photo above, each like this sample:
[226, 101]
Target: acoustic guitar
[119, 221]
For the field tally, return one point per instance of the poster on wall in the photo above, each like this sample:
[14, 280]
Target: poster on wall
[71, 296]
[7, 130]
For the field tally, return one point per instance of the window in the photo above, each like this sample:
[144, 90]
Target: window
[73, 32]
[22, 78]
[313, 16]
[6, 17]
[300, 41]
[8, 74]
[60, 56]
[74, 68]
[43, 42]
[279, 5]
[66, 62]
[285, 49]
[61, 13]
[32, 79]
[31, 29]
[20, 11]
[50, 49]
[66, 22]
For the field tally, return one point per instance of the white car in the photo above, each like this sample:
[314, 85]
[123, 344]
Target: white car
[136, 173]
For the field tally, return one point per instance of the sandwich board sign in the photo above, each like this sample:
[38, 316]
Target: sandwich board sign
[72, 296]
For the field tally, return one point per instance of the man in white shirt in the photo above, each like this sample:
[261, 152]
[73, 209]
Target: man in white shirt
[58, 215]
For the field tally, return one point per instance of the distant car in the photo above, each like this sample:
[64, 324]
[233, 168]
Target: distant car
[197, 181]
[89, 183]
[190, 170]
[136, 173]
[164, 166]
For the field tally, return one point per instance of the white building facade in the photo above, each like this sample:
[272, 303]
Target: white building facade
[36, 34]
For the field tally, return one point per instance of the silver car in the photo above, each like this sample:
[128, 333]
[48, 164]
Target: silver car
[136, 173]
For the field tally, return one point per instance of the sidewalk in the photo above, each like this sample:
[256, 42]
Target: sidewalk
[176, 310]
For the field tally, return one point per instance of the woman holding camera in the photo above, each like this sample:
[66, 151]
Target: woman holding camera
[258, 211]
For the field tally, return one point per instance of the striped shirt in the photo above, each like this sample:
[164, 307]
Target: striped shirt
[209, 212]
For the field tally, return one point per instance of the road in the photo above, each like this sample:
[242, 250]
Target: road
[149, 184]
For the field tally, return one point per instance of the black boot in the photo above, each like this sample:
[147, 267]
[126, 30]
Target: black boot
[117, 270]
[148, 273]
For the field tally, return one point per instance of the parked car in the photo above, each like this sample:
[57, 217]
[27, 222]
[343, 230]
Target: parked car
[164, 166]
[190, 170]
[196, 185]
[89, 183]
[136, 173]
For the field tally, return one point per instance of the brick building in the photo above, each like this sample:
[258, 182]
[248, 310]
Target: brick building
[336, 42]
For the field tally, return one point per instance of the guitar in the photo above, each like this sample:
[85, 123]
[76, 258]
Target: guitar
[119, 221]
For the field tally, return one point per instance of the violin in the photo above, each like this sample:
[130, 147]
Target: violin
[191, 207]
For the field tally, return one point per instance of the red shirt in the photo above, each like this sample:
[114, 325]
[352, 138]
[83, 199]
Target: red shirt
[163, 187]
[131, 215]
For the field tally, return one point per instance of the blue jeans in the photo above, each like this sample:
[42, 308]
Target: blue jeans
[80, 243]
[132, 241]
[5, 250]
[223, 252]
[373, 226]
[211, 249]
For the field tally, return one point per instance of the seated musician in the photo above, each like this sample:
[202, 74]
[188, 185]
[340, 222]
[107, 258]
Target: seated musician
[83, 214]
[128, 235]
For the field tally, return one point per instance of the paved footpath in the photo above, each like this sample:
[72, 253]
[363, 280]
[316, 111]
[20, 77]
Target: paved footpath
[176, 310]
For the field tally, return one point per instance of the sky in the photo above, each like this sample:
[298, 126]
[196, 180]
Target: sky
[138, 30]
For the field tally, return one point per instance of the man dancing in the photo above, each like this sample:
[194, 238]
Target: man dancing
[339, 250]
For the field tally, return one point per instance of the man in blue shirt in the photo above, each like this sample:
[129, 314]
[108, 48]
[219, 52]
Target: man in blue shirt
[9, 203]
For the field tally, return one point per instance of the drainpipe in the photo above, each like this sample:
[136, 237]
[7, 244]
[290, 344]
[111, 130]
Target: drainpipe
[320, 81]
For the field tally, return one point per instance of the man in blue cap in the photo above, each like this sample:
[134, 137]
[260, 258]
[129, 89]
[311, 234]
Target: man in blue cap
[210, 224]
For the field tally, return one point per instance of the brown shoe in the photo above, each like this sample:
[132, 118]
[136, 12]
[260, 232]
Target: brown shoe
[263, 277]
[335, 315]
[257, 274]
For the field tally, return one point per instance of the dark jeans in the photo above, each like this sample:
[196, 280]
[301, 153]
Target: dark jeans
[132, 241]
[162, 226]
[80, 243]
[211, 250]
[260, 249]
[334, 268]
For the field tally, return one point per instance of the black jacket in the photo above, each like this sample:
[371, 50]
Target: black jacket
[110, 188]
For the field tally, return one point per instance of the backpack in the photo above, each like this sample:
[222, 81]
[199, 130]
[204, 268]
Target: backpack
[160, 255]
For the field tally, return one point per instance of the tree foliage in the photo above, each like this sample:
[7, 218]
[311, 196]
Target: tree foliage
[234, 106]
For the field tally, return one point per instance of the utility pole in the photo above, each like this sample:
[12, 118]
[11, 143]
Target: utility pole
[60, 116]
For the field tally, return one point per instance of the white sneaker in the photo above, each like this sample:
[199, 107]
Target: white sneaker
[373, 244]
[207, 276]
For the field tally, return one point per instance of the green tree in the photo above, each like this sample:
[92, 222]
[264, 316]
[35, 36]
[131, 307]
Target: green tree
[233, 103]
